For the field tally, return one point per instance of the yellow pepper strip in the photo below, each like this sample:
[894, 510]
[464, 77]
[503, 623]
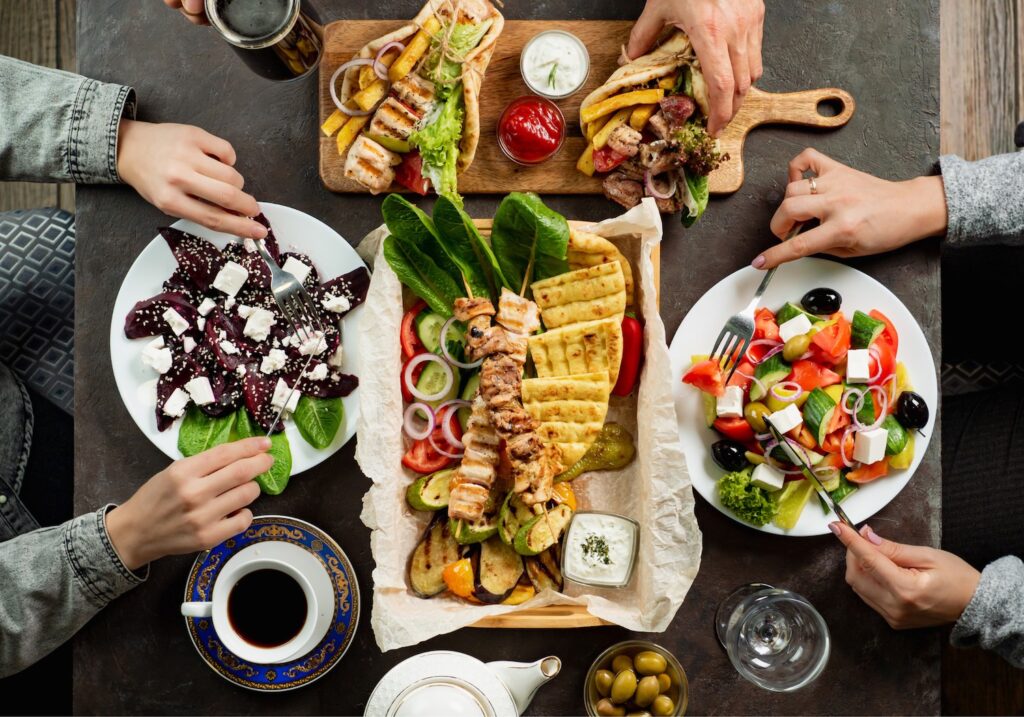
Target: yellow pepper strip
[563, 493]
[414, 50]
[334, 122]
[586, 161]
[617, 102]
[594, 127]
[520, 594]
[638, 120]
[618, 119]
[347, 134]
[458, 576]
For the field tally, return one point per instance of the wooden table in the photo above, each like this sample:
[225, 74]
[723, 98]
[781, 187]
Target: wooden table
[136, 656]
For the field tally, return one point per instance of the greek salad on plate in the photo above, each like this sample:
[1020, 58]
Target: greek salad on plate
[837, 365]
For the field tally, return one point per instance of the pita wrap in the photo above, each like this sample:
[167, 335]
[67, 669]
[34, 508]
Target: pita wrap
[473, 68]
[662, 61]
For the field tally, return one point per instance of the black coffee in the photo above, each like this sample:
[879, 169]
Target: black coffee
[267, 608]
[254, 19]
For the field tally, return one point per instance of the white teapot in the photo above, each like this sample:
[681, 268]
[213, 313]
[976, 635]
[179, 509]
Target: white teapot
[457, 685]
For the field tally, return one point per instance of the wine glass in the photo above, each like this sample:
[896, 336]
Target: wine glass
[774, 638]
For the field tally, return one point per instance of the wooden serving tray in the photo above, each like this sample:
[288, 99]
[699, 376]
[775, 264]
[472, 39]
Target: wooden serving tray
[493, 173]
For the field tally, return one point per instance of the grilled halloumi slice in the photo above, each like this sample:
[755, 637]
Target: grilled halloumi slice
[415, 91]
[371, 165]
[393, 119]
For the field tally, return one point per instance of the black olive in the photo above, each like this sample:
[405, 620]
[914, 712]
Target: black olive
[911, 410]
[475, 332]
[730, 455]
[822, 301]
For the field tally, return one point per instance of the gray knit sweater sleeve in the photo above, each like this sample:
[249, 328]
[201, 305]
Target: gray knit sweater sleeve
[984, 200]
[994, 618]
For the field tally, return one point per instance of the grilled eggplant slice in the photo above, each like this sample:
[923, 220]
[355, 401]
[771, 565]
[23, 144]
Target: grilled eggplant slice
[544, 570]
[498, 571]
[435, 550]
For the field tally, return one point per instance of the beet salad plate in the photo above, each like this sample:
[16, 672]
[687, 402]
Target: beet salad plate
[197, 340]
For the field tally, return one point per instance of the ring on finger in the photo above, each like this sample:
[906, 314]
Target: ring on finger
[814, 185]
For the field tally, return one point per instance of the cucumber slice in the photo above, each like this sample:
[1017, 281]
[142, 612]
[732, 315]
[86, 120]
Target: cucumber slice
[428, 328]
[710, 408]
[864, 330]
[542, 531]
[819, 408]
[896, 441]
[769, 372]
[468, 394]
[781, 453]
[840, 493]
[393, 143]
[514, 513]
[791, 311]
[432, 380]
[866, 414]
[430, 492]
[474, 532]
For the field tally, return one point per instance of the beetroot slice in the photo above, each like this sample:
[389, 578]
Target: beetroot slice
[270, 241]
[313, 277]
[199, 259]
[216, 322]
[352, 285]
[147, 316]
[227, 393]
[182, 369]
[259, 389]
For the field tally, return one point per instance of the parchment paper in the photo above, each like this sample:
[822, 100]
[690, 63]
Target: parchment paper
[654, 489]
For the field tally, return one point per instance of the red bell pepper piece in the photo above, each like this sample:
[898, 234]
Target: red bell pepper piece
[632, 352]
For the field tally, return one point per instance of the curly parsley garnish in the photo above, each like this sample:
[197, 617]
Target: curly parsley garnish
[595, 550]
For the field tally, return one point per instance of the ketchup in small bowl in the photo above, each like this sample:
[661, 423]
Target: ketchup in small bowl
[531, 130]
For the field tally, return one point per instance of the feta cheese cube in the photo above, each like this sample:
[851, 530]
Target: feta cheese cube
[206, 306]
[228, 303]
[240, 371]
[869, 447]
[176, 321]
[787, 419]
[157, 356]
[337, 358]
[250, 245]
[273, 361]
[337, 304]
[201, 323]
[764, 476]
[189, 344]
[176, 403]
[200, 390]
[318, 372]
[797, 326]
[313, 345]
[858, 366]
[300, 270]
[228, 347]
[259, 323]
[230, 278]
[730, 405]
[245, 311]
[281, 391]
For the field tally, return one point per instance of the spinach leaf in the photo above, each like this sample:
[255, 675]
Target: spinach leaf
[411, 224]
[529, 240]
[695, 197]
[276, 479]
[468, 250]
[419, 272]
[318, 419]
[199, 432]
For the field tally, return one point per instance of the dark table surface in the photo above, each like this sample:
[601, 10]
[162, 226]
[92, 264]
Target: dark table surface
[136, 657]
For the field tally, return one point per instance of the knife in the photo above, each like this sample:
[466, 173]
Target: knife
[810, 475]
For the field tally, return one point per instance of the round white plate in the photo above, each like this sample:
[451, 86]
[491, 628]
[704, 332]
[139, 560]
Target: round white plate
[295, 231]
[700, 328]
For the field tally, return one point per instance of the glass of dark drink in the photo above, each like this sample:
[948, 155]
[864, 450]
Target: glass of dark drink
[277, 39]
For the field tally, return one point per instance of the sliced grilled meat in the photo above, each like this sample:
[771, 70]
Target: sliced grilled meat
[659, 125]
[659, 156]
[416, 92]
[370, 164]
[534, 465]
[517, 314]
[625, 140]
[466, 309]
[620, 188]
[393, 119]
[677, 109]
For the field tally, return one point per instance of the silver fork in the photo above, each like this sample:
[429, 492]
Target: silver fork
[734, 339]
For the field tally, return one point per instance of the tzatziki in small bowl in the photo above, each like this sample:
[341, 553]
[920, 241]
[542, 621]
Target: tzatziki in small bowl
[554, 64]
[600, 549]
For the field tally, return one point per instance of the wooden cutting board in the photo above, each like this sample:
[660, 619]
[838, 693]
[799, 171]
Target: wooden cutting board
[493, 173]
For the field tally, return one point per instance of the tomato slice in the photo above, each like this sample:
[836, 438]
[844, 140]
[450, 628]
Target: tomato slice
[606, 159]
[811, 375]
[742, 376]
[765, 325]
[411, 344]
[869, 472]
[735, 428]
[410, 173]
[889, 334]
[831, 444]
[707, 376]
[423, 458]
[840, 420]
[882, 355]
[833, 341]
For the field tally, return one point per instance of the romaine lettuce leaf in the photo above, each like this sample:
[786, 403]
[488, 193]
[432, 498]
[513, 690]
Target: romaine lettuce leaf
[419, 272]
[465, 246]
[530, 240]
[438, 142]
[695, 197]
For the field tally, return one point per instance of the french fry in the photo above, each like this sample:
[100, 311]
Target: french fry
[667, 83]
[617, 102]
[638, 120]
[347, 134]
[595, 127]
[334, 122]
[414, 50]
[366, 99]
[618, 119]
[586, 161]
[367, 75]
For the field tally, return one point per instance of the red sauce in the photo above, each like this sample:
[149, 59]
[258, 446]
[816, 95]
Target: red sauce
[531, 129]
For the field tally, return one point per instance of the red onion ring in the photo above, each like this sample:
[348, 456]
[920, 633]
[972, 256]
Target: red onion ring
[378, 66]
[410, 384]
[784, 384]
[653, 190]
[446, 424]
[443, 339]
[878, 364]
[881, 409]
[773, 462]
[410, 417]
[446, 454]
[358, 62]
[753, 378]
[762, 436]
[842, 447]
[844, 402]
[776, 347]
[895, 387]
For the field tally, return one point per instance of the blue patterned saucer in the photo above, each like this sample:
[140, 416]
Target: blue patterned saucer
[307, 668]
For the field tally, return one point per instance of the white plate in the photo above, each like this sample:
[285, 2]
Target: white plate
[700, 328]
[295, 231]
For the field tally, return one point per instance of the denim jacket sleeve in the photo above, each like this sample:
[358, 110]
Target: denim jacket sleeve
[984, 200]
[59, 127]
[52, 581]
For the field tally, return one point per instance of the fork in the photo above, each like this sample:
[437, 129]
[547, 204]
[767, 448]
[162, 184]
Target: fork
[734, 339]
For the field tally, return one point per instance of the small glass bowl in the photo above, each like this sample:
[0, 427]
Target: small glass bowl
[501, 121]
[679, 692]
[632, 563]
[542, 91]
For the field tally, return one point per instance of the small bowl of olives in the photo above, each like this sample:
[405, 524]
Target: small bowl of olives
[636, 677]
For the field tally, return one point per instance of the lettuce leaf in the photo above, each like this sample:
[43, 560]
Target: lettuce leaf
[530, 240]
[438, 141]
[446, 70]
[410, 223]
[467, 248]
[419, 272]
[695, 197]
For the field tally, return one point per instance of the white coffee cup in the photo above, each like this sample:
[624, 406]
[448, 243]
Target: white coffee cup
[288, 559]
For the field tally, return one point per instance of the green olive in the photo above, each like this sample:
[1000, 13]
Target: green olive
[623, 687]
[603, 682]
[796, 347]
[646, 690]
[754, 413]
[663, 706]
[622, 662]
[641, 713]
[606, 708]
[664, 682]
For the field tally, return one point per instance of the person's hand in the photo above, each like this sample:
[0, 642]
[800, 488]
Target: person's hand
[908, 585]
[192, 505]
[189, 173]
[726, 35]
[194, 10]
[859, 214]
